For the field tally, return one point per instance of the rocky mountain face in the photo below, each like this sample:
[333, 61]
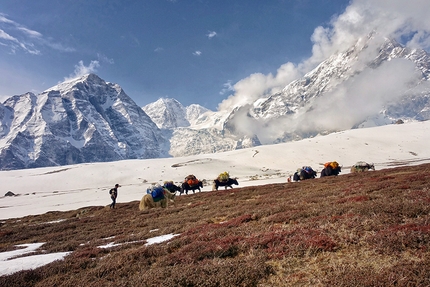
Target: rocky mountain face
[362, 87]
[83, 120]
[366, 85]
[195, 129]
[167, 113]
[170, 114]
[90, 120]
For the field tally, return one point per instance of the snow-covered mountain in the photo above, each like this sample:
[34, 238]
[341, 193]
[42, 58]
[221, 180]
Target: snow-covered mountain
[78, 121]
[367, 85]
[169, 113]
[195, 129]
[361, 87]
[372, 83]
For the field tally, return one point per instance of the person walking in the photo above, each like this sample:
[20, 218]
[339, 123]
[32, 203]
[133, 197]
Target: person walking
[113, 195]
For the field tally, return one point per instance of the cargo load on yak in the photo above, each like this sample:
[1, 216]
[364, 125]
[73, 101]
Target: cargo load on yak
[168, 184]
[224, 176]
[156, 191]
[361, 164]
[332, 164]
[308, 169]
[305, 172]
[191, 180]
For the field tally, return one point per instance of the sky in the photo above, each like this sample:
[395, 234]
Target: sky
[213, 53]
[72, 187]
[192, 50]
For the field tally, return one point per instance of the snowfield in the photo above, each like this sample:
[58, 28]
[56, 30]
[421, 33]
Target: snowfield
[71, 187]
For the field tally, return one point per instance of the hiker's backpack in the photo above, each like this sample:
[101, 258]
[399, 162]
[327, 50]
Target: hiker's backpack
[224, 176]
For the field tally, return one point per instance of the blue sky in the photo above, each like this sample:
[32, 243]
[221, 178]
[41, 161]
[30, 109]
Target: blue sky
[185, 49]
[196, 51]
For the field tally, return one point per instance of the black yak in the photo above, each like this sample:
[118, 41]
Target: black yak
[331, 168]
[303, 173]
[217, 183]
[186, 187]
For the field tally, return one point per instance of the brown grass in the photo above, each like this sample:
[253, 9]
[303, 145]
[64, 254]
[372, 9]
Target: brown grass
[362, 229]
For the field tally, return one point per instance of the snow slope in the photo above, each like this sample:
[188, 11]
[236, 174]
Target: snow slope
[70, 187]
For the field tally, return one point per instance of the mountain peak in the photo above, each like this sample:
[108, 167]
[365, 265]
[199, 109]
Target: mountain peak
[81, 120]
[69, 83]
[167, 113]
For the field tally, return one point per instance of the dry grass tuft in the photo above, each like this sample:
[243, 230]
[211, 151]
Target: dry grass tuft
[362, 229]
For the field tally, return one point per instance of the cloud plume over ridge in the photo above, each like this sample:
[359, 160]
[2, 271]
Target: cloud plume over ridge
[358, 97]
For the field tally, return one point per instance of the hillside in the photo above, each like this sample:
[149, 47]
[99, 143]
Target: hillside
[366, 229]
[40, 190]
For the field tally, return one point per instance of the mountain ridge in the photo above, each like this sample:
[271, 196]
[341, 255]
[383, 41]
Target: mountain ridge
[87, 119]
[302, 109]
[83, 120]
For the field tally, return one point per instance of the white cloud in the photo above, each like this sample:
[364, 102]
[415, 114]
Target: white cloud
[211, 34]
[81, 70]
[227, 88]
[368, 92]
[19, 37]
[6, 36]
[3, 19]
[29, 32]
[389, 18]
[15, 44]
[104, 59]
[258, 85]
[159, 49]
[360, 97]
[197, 53]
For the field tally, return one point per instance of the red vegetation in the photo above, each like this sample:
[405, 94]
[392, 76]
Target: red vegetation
[362, 229]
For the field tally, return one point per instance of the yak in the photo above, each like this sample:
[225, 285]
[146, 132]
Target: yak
[329, 171]
[217, 183]
[170, 186]
[303, 173]
[186, 187]
[362, 166]
[148, 202]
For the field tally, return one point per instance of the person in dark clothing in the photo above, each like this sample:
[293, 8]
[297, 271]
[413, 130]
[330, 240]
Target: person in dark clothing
[113, 195]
